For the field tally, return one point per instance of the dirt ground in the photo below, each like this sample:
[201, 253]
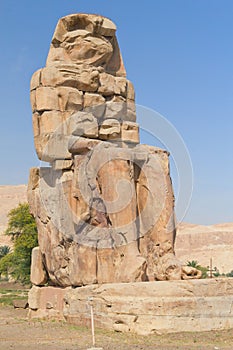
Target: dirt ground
[17, 332]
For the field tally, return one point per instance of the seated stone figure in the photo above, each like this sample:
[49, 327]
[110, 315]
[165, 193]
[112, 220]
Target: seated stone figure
[104, 206]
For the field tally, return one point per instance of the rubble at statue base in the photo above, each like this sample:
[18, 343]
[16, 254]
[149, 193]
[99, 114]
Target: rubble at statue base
[104, 205]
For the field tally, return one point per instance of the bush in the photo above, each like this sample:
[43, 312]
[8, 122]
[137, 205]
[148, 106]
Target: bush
[229, 274]
[204, 271]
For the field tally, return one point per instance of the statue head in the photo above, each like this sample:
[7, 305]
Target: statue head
[87, 39]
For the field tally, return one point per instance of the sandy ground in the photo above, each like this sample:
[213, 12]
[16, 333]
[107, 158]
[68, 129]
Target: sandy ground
[19, 333]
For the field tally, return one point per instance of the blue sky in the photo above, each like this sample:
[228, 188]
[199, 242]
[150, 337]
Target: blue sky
[179, 55]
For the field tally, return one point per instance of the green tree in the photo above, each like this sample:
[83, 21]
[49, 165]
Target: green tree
[19, 220]
[4, 250]
[23, 232]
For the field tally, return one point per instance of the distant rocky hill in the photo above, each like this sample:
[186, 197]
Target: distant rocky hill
[193, 242]
[10, 197]
[201, 243]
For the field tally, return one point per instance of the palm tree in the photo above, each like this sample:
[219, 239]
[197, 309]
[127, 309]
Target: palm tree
[193, 263]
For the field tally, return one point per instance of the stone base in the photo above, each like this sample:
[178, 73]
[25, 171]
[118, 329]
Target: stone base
[142, 308]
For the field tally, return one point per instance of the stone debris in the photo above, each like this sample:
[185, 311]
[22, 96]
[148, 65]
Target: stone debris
[20, 304]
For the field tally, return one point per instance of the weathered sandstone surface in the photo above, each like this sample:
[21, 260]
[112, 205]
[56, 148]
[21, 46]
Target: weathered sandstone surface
[105, 206]
[142, 308]
[193, 242]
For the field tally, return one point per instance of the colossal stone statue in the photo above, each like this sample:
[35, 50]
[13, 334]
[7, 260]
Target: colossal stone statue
[104, 204]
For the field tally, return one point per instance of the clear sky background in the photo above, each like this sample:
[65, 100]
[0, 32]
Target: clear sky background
[179, 55]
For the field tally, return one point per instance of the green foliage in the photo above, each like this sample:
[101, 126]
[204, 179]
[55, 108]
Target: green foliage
[7, 296]
[204, 271]
[19, 220]
[195, 264]
[217, 274]
[4, 250]
[229, 274]
[23, 231]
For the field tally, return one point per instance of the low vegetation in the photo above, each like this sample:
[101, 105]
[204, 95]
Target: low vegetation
[8, 295]
[206, 271]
